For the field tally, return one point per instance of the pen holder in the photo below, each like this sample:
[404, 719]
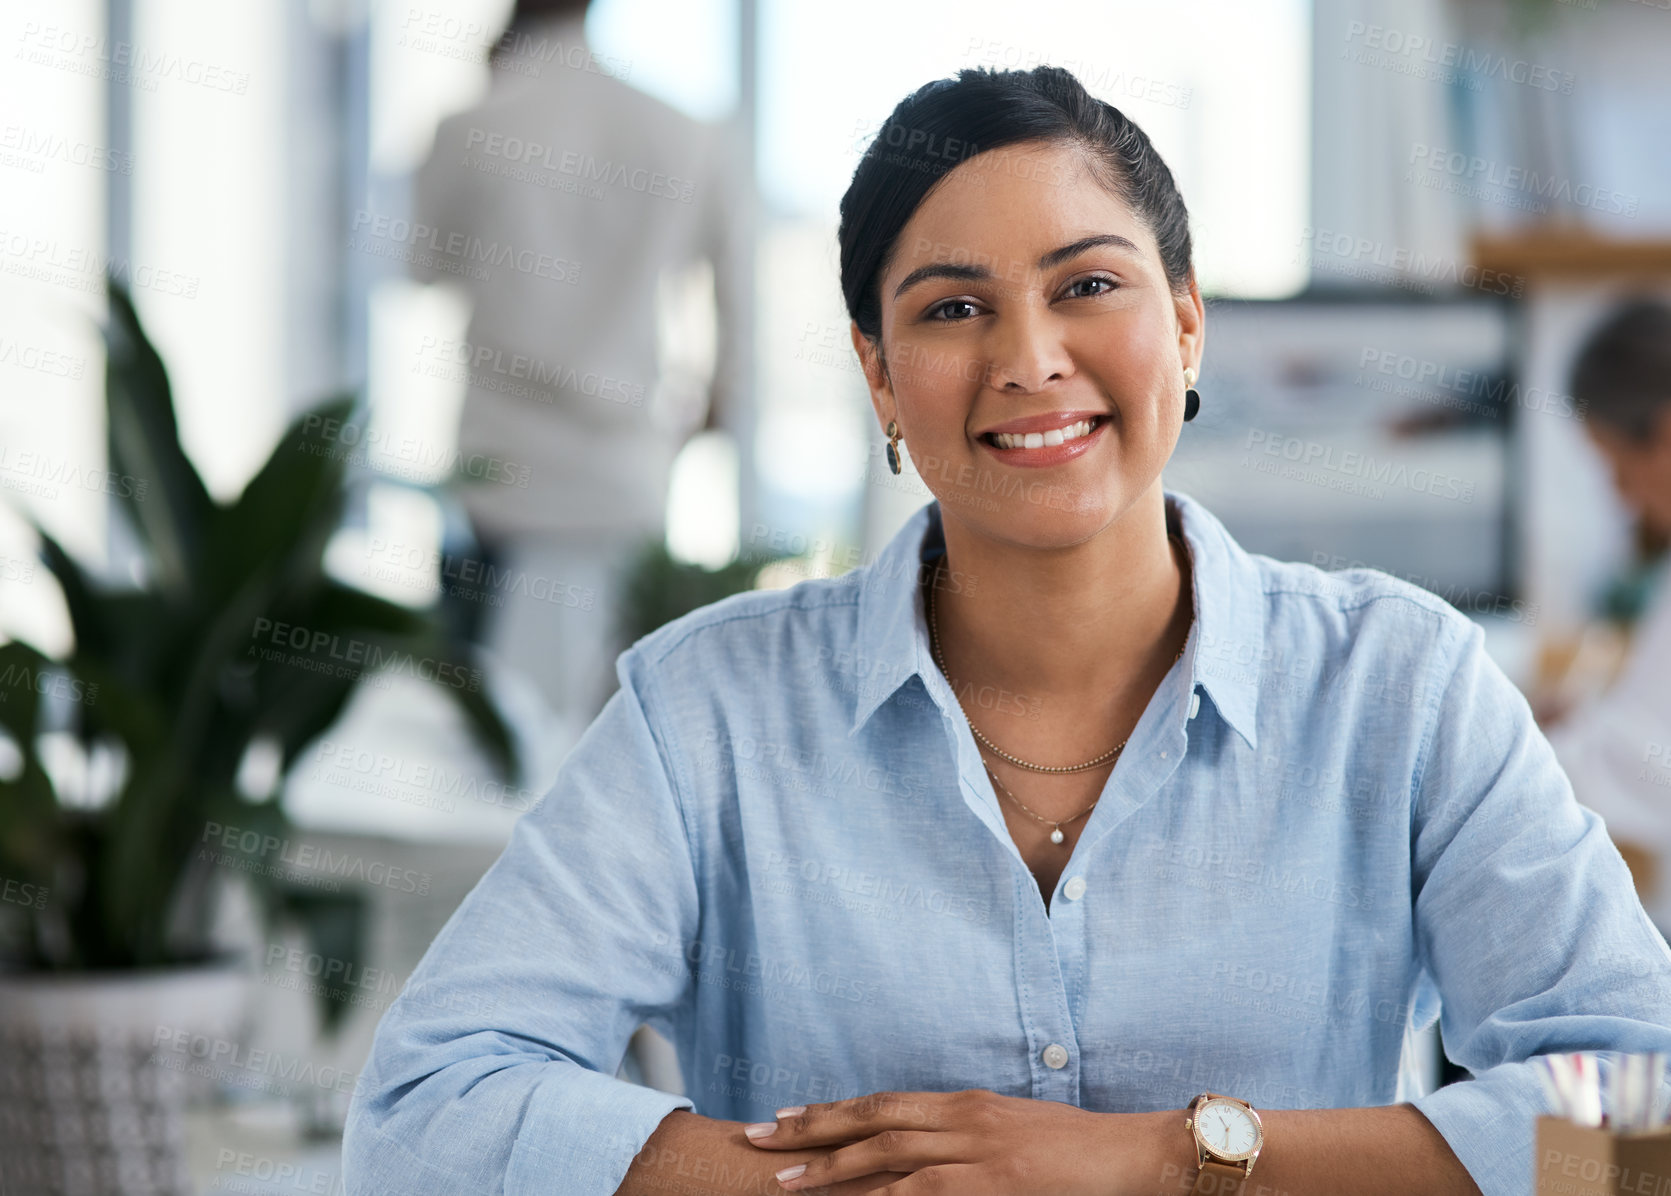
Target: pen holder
[1583, 1160]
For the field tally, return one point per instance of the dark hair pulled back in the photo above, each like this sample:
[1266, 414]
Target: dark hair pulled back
[949, 121]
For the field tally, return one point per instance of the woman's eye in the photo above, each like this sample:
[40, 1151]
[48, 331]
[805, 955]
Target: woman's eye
[952, 311]
[1074, 291]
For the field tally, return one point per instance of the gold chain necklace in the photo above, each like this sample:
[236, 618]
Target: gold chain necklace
[1056, 835]
[939, 659]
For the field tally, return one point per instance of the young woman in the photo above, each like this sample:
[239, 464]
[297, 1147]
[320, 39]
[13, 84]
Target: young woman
[971, 870]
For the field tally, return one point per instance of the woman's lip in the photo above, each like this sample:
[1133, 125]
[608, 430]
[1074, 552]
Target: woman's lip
[1042, 423]
[1049, 454]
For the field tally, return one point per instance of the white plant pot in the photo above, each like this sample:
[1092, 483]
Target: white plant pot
[94, 1074]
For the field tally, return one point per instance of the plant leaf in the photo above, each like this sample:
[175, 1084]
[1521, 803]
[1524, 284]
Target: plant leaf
[156, 482]
[287, 513]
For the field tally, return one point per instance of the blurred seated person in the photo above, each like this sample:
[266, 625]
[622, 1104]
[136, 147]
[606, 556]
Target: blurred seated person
[1617, 747]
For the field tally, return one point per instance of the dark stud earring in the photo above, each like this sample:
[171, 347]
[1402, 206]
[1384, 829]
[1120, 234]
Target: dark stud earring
[1192, 397]
[893, 446]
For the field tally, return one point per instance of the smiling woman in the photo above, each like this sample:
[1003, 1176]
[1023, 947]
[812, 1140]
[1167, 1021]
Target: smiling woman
[1067, 849]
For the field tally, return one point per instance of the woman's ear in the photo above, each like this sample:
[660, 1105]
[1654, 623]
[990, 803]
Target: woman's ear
[1192, 325]
[875, 368]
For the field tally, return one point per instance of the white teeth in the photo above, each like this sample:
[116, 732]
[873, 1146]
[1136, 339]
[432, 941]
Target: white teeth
[1011, 440]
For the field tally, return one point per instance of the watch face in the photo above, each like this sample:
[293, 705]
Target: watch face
[1228, 1129]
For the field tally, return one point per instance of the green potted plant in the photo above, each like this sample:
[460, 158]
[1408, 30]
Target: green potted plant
[108, 927]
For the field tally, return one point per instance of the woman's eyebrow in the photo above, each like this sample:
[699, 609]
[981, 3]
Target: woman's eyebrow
[975, 273]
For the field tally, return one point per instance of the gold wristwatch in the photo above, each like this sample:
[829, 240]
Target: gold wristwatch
[1228, 1139]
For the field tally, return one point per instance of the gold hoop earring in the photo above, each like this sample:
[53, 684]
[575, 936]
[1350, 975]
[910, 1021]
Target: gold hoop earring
[892, 433]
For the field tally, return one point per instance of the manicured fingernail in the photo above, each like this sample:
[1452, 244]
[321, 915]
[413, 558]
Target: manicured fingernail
[789, 1173]
[760, 1129]
[791, 1111]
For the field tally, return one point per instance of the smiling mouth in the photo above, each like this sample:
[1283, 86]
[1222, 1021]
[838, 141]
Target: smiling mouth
[1064, 435]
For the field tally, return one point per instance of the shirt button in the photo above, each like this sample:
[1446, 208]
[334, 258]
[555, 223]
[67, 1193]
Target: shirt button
[1055, 1056]
[1074, 889]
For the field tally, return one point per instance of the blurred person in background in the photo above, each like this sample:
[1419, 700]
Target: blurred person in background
[1617, 747]
[563, 162]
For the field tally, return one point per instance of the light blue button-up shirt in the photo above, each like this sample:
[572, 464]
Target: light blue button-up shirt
[778, 846]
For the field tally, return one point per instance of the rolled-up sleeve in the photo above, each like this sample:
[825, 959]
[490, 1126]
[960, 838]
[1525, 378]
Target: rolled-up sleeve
[1525, 917]
[495, 1069]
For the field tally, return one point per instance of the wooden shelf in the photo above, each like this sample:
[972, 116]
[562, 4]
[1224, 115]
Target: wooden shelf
[1568, 253]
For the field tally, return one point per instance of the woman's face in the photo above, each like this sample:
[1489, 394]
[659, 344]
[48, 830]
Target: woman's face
[1024, 297]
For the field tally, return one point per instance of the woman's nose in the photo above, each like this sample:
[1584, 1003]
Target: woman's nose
[1027, 353]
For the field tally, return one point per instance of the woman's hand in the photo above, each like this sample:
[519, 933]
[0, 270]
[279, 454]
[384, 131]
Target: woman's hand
[975, 1143]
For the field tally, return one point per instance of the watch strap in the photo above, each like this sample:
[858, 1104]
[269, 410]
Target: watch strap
[1219, 1179]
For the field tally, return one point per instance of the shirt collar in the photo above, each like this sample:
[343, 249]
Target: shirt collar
[1223, 652]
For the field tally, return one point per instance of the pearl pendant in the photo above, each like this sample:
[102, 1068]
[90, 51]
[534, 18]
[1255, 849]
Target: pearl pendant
[1056, 836]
